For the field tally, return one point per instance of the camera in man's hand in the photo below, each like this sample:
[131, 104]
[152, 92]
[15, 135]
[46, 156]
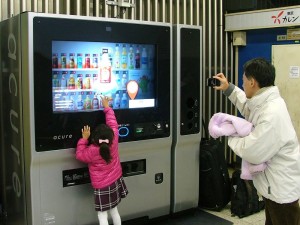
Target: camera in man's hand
[211, 82]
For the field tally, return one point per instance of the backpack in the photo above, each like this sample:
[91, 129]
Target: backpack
[244, 198]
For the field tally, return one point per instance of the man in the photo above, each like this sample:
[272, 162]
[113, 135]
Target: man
[273, 140]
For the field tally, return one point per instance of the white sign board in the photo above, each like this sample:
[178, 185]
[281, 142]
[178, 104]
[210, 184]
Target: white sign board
[281, 17]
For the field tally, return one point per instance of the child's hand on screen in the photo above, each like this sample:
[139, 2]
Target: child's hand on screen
[105, 101]
[86, 132]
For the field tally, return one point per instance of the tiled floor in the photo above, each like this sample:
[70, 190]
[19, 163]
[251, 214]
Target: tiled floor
[255, 219]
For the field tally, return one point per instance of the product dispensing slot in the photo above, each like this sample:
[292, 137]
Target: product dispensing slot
[133, 168]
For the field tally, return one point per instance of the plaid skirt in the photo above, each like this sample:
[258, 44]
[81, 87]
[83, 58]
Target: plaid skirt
[109, 197]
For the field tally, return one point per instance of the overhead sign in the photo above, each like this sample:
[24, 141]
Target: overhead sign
[281, 17]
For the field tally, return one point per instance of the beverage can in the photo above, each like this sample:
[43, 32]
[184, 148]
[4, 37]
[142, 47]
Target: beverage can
[63, 60]
[79, 60]
[71, 60]
[71, 83]
[95, 60]
[79, 83]
[87, 81]
[87, 61]
[55, 81]
[54, 61]
[94, 81]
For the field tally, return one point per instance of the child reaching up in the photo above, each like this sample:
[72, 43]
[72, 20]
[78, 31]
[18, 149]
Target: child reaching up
[102, 157]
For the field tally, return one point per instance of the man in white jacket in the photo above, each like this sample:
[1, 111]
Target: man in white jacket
[273, 140]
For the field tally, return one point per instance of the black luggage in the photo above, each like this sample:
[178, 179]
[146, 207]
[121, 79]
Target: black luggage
[214, 186]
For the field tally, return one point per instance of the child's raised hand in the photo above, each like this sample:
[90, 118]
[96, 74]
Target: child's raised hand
[86, 132]
[105, 101]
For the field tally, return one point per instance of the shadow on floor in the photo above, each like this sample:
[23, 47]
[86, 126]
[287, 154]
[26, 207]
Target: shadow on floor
[190, 217]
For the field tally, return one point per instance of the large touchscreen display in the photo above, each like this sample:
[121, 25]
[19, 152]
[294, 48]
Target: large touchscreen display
[82, 72]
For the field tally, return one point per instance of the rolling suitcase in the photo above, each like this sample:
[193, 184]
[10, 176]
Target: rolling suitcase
[214, 181]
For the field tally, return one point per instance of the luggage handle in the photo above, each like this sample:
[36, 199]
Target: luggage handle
[205, 128]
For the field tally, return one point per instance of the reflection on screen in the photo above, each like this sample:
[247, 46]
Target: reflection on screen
[83, 71]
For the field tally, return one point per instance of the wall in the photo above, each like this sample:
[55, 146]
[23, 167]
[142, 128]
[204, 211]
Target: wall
[259, 44]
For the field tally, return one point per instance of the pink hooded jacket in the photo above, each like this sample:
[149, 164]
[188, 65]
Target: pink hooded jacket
[101, 173]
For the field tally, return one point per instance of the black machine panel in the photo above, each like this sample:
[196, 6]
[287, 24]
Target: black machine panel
[190, 80]
[56, 129]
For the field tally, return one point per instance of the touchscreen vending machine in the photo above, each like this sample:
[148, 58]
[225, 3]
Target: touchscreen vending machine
[54, 68]
[187, 71]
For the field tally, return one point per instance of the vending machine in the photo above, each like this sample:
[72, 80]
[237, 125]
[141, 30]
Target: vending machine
[54, 68]
[187, 46]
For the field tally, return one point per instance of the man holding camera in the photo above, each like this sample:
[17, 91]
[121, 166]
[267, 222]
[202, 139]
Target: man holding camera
[273, 140]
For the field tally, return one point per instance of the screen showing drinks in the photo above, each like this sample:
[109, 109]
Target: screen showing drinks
[82, 72]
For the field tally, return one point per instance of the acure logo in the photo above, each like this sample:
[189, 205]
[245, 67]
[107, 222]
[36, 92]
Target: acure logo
[62, 137]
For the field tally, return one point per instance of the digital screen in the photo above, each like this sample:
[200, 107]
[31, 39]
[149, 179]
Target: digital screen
[82, 72]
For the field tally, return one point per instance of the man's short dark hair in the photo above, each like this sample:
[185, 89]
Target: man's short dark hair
[261, 70]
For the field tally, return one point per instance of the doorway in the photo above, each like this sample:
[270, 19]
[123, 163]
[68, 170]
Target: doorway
[285, 58]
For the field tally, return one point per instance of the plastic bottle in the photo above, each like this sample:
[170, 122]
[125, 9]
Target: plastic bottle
[95, 102]
[124, 81]
[117, 102]
[71, 83]
[105, 69]
[117, 57]
[137, 59]
[124, 57]
[55, 81]
[130, 58]
[63, 83]
[150, 59]
[124, 101]
[144, 59]
[79, 102]
[87, 103]
[118, 79]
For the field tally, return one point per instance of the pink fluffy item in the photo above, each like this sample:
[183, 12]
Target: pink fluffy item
[222, 124]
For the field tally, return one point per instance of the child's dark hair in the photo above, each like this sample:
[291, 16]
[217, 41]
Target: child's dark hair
[103, 132]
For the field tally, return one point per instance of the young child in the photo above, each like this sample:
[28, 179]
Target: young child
[102, 157]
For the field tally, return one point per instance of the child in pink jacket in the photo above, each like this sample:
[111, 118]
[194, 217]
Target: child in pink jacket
[102, 157]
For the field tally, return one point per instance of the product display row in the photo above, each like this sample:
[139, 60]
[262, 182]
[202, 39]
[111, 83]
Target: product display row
[126, 57]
